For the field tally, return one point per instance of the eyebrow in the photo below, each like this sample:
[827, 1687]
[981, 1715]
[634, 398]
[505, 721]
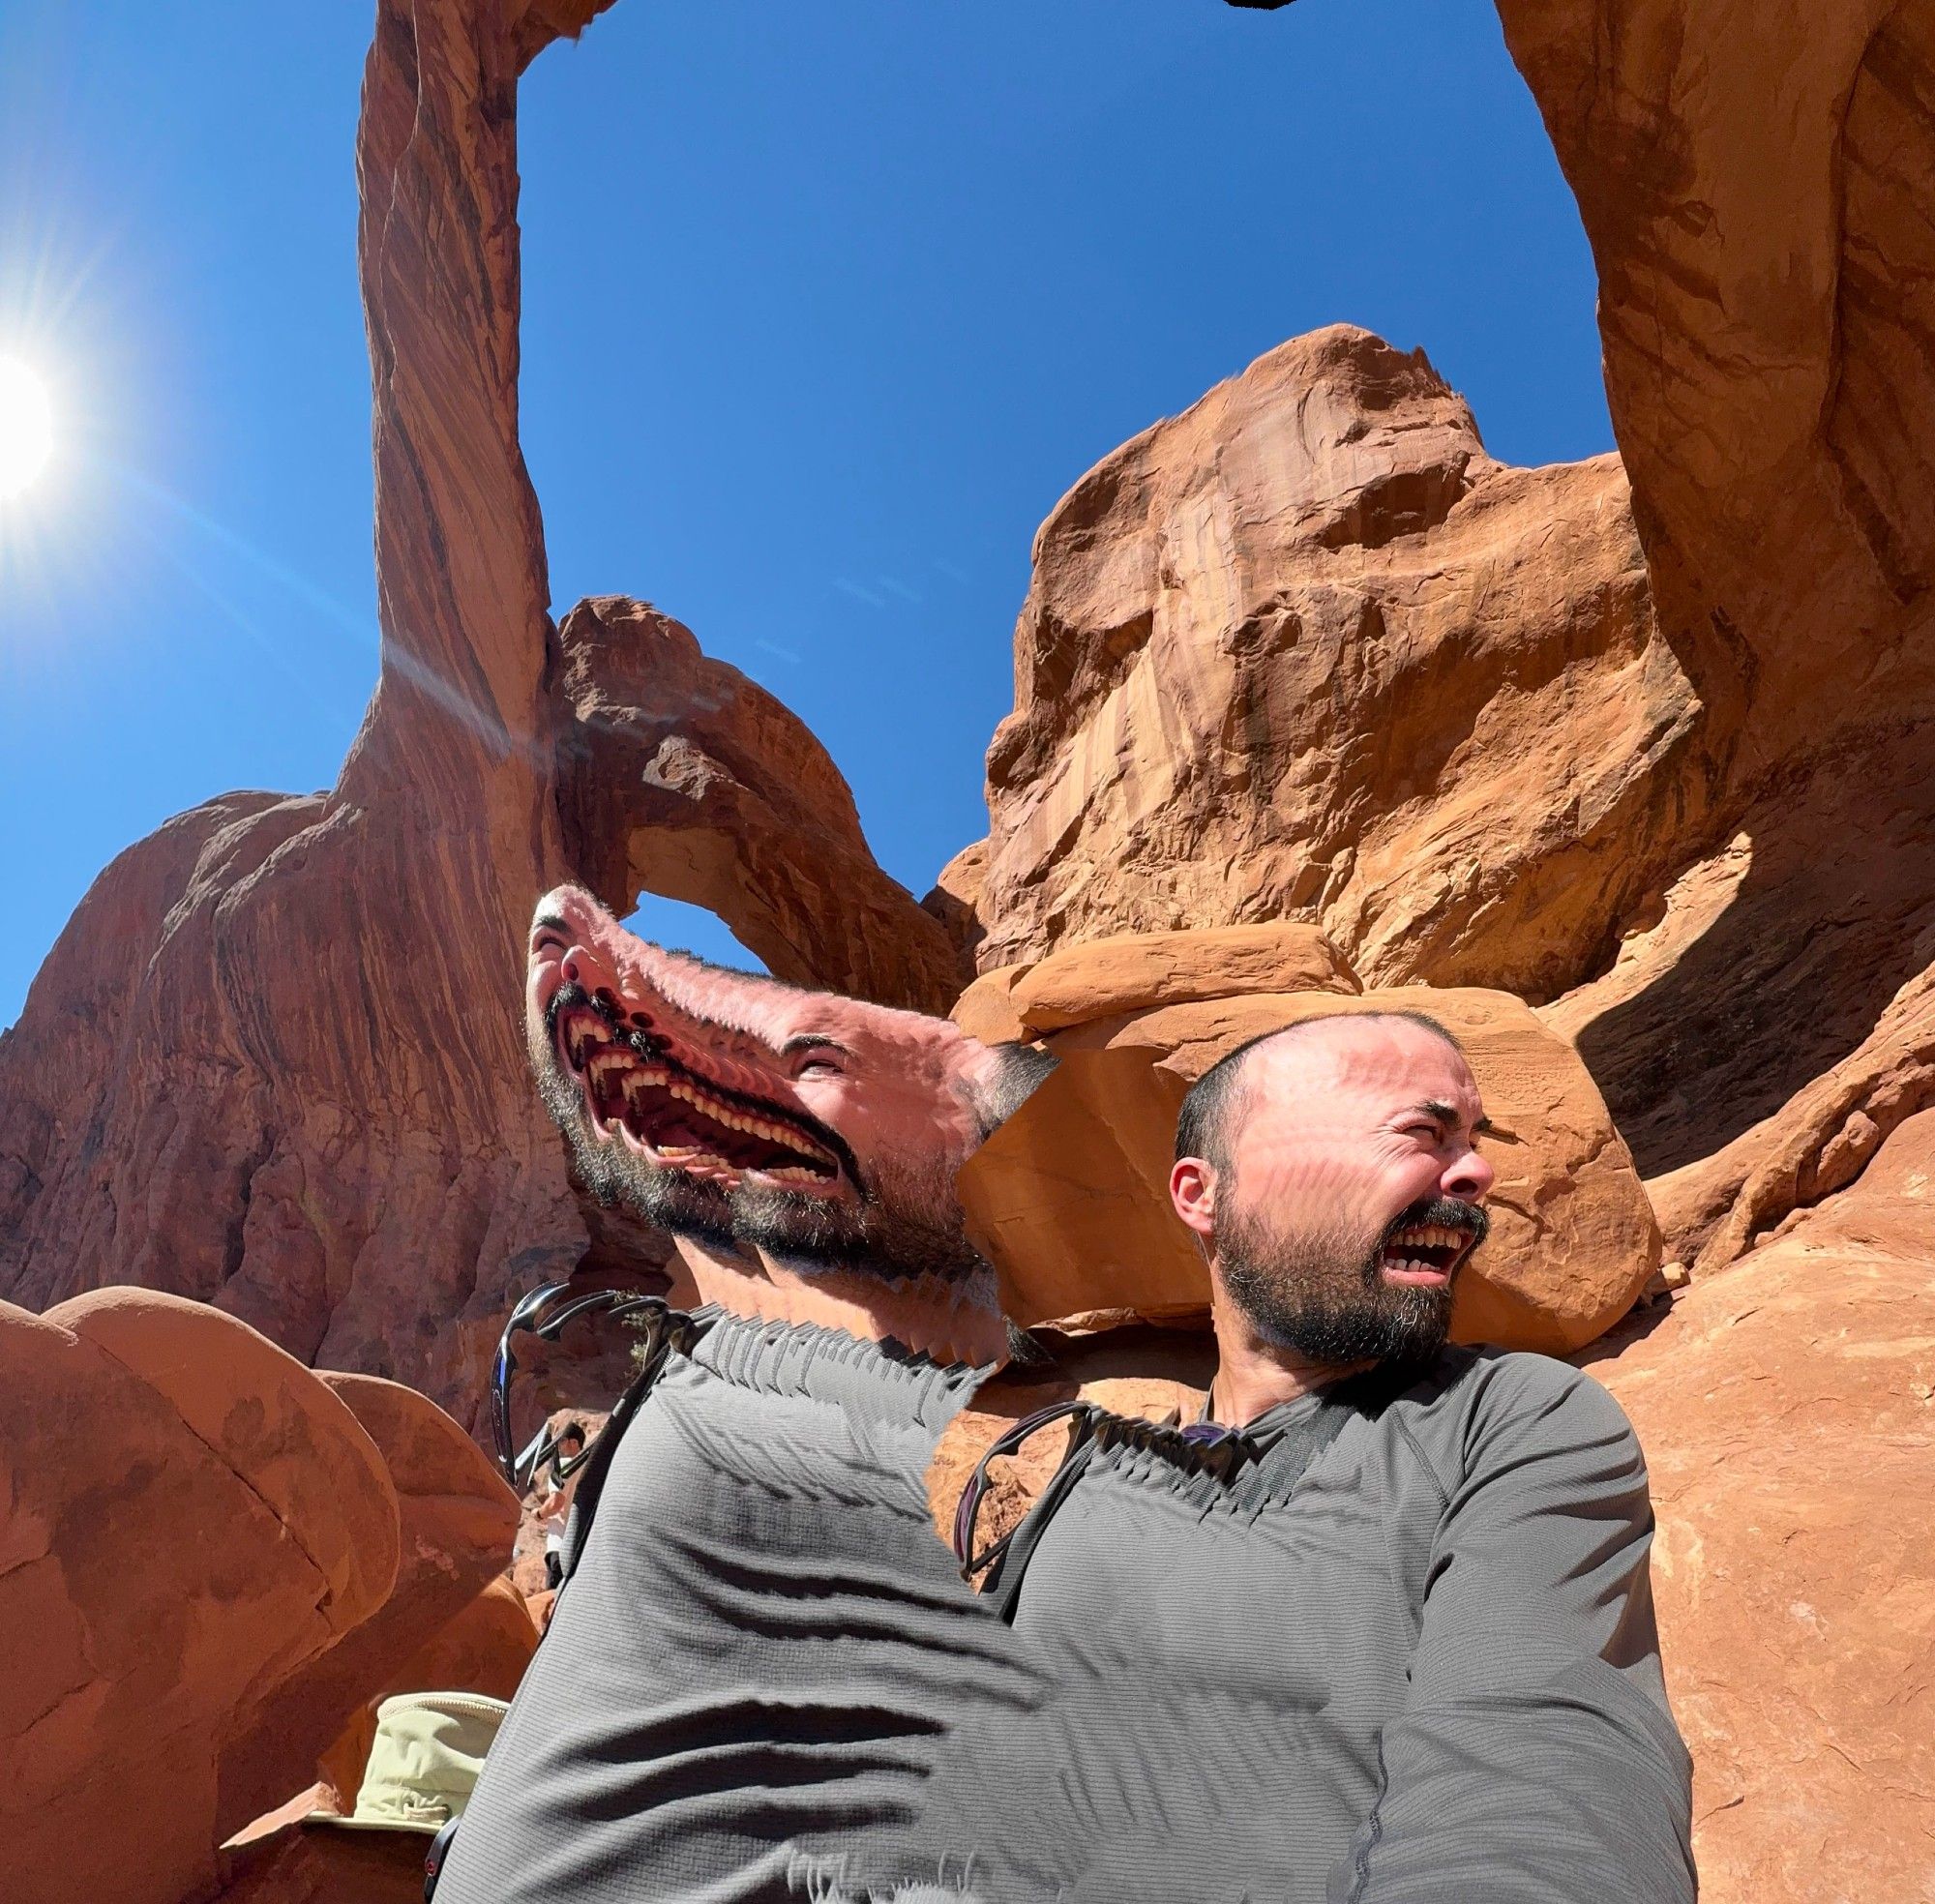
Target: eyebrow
[812, 1041]
[1448, 1114]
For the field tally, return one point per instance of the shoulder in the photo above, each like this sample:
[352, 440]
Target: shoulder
[1483, 1408]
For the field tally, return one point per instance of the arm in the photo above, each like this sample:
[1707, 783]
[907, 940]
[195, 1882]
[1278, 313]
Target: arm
[1535, 1760]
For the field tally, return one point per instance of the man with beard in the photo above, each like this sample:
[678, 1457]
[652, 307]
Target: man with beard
[1378, 1626]
[758, 1647]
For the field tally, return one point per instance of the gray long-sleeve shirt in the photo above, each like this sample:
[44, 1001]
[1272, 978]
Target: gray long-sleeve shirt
[761, 1648]
[1421, 1670]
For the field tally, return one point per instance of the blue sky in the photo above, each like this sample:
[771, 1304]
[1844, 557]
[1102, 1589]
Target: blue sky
[824, 308]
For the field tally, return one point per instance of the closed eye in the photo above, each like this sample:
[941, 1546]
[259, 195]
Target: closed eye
[813, 1056]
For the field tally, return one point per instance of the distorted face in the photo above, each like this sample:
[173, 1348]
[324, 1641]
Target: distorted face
[1348, 1192]
[738, 1110]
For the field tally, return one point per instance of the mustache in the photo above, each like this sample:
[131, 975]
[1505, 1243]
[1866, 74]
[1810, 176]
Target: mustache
[651, 1046]
[1445, 1213]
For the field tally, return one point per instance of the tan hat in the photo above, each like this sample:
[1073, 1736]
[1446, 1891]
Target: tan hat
[430, 1747]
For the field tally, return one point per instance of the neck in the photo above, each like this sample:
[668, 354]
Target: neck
[1253, 1373]
[950, 1320]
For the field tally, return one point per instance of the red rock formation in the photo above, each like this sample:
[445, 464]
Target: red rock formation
[1307, 652]
[1757, 206]
[458, 1522]
[1755, 193]
[485, 1648]
[276, 1062]
[1787, 1407]
[216, 1558]
[311, 1107]
[298, 1863]
[681, 776]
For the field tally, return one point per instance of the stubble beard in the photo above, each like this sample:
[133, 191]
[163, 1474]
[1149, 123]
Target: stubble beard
[906, 1225]
[1321, 1294]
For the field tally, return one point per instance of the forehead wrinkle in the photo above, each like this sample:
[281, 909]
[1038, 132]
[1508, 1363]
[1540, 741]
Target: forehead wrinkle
[1368, 1056]
[928, 1046]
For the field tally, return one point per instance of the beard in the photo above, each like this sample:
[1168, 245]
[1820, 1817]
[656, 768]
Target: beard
[1322, 1293]
[906, 1224]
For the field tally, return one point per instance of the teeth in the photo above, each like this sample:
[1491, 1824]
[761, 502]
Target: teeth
[636, 1078]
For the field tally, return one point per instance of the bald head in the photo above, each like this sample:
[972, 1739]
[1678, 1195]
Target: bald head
[1216, 1097]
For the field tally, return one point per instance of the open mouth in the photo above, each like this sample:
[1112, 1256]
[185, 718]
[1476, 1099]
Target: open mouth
[1427, 1253]
[636, 1094]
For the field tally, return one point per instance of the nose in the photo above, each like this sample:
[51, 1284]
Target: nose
[1469, 1179]
[584, 966]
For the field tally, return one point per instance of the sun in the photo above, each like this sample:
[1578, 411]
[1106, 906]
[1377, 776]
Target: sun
[26, 428]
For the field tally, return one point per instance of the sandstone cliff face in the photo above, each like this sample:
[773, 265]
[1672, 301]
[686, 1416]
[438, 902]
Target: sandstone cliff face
[1787, 1407]
[1754, 184]
[1307, 652]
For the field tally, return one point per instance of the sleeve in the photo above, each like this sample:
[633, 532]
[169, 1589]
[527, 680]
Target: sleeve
[1535, 1758]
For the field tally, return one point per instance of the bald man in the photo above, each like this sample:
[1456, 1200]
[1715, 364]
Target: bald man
[1377, 1628]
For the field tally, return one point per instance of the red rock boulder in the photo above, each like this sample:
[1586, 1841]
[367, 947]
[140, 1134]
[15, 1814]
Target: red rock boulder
[192, 1519]
[1069, 1198]
[1307, 652]
[458, 1522]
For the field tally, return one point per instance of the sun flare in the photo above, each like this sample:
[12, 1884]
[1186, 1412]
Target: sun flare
[26, 428]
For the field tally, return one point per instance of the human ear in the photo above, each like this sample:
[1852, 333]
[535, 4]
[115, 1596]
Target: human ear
[1192, 1190]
